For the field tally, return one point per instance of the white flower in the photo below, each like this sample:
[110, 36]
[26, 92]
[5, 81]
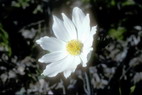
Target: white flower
[70, 46]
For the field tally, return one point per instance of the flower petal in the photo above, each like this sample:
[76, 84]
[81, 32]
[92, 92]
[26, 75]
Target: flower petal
[76, 62]
[59, 29]
[57, 67]
[71, 67]
[84, 32]
[85, 56]
[77, 17]
[89, 41]
[52, 57]
[51, 44]
[67, 73]
[69, 27]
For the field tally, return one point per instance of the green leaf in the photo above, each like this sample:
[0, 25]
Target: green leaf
[38, 9]
[117, 33]
[4, 41]
[132, 88]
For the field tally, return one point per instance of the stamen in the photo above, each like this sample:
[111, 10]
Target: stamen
[74, 47]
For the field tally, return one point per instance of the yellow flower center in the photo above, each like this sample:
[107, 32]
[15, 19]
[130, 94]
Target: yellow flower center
[74, 47]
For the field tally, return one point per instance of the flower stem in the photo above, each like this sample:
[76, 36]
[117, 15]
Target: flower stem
[87, 85]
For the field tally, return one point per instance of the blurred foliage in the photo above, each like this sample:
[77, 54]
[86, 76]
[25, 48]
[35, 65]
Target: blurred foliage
[119, 44]
[117, 33]
[21, 3]
[18, 67]
[115, 68]
[4, 44]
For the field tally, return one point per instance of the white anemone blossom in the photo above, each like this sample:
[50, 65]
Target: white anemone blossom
[71, 45]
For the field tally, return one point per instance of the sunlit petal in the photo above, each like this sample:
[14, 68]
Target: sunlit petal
[85, 56]
[71, 67]
[77, 18]
[69, 26]
[67, 73]
[52, 57]
[89, 41]
[60, 30]
[85, 30]
[51, 44]
[57, 67]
